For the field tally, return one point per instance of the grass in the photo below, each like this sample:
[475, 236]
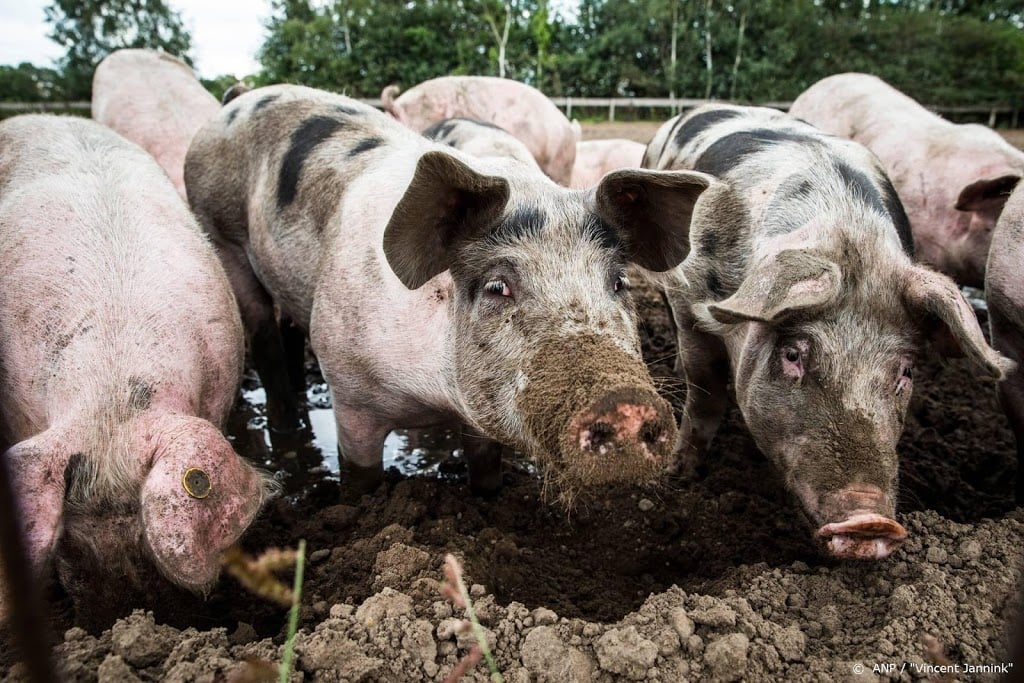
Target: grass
[455, 590]
[293, 615]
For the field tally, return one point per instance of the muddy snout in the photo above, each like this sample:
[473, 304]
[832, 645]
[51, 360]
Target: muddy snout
[595, 413]
[863, 528]
[625, 420]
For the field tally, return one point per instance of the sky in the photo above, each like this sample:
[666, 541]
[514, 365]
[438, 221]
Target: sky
[225, 34]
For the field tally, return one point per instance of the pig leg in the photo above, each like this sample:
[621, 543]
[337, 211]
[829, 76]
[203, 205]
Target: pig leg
[38, 471]
[705, 366]
[361, 436]
[294, 342]
[267, 348]
[483, 456]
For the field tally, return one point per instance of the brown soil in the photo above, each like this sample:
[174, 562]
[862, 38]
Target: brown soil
[711, 579]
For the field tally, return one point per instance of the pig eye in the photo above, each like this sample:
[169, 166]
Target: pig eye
[792, 363]
[621, 282]
[498, 287]
[906, 378]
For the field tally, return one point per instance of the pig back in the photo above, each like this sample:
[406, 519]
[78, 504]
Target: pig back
[154, 100]
[273, 174]
[108, 284]
[523, 111]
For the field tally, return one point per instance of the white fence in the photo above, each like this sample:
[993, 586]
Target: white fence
[672, 106]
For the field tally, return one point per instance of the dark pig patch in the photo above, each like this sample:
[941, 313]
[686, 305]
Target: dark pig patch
[881, 197]
[899, 215]
[604, 234]
[310, 133]
[523, 223]
[140, 393]
[365, 145]
[695, 125]
[730, 151]
[264, 102]
[439, 129]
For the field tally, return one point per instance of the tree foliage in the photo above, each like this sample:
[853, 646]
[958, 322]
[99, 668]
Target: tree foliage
[948, 52]
[91, 29]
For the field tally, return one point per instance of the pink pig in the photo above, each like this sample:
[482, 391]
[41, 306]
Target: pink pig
[154, 100]
[595, 158]
[121, 352]
[952, 179]
[523, 111]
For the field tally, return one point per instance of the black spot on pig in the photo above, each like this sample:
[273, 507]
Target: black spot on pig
[365, 146]
[708, 242]
[346, 110]
[881, 197]
[899, 215]
[439, 129]
[523, 223]
[695, 125]
[232, 115]
[714, 284]
[730, 151]
[263, 102]
[604, 234]
[861, 187]
[140, 393]
[310, 133]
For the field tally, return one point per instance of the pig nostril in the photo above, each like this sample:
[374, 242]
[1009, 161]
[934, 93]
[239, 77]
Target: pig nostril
[601, 433]
[650, 433]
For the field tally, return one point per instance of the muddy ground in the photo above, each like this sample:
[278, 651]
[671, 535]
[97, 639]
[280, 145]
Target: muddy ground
[715, 579]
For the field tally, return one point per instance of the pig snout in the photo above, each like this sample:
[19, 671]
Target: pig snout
[624, 420]
[595, 415]
[863, 528]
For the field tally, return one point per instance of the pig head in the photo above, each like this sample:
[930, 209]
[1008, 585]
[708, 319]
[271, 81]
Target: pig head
[545, 352]
[190, 498]
[822, 344]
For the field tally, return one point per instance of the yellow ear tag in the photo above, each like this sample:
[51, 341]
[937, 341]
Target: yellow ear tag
[196, 483]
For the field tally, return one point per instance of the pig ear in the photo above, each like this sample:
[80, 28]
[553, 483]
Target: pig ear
[987, 194]
[39, 480]
[446, 202]
[949, 321]
[196, 501]
[652, 211]
[793, 280]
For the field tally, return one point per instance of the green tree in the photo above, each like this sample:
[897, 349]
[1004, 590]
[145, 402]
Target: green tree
[29, 83]
[91, 29]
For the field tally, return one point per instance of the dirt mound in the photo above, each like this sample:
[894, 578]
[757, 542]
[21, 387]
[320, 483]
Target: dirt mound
[713, 579]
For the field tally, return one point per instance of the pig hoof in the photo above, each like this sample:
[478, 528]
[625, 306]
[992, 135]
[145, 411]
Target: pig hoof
[865, 536]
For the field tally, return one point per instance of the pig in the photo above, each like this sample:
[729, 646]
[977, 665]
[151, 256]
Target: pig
[120, 357]
[952, 179]
[595, 158]
[479, 138]
[153, 99]
[440, 287]
[800, 289]
[1004, 293]
[523, 111]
